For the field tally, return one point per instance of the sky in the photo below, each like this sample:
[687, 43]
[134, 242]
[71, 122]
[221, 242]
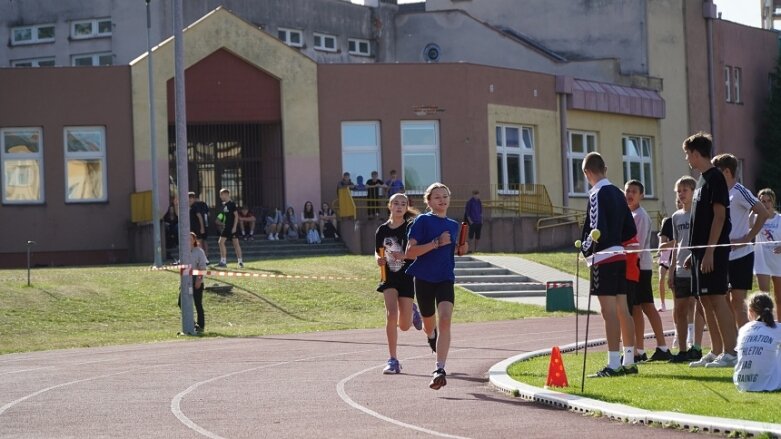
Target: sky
[746, 12]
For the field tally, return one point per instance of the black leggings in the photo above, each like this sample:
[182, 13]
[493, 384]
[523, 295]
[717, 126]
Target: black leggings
[198, 300]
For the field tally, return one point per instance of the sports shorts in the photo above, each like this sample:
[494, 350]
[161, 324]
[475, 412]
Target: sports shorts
[430, 294]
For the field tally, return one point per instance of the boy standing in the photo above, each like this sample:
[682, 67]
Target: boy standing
[231, 221]
[710, 225]
[608, 212]
[394, 185]
[373, 186]
[474, 217]
[741, 258]
[643, 298]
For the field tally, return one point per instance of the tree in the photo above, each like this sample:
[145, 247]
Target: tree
[769, 138]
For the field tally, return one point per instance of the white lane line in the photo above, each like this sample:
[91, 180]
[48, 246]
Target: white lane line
[177, 400]
[4, 408]
[26, 370]
[349, 401]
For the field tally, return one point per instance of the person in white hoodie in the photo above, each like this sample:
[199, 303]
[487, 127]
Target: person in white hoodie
[759, 348]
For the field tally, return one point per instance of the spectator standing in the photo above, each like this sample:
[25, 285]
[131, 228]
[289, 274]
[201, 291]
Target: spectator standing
[230, 221]
[393, 185]
[199, 226]
[373, 186]
[473, 216]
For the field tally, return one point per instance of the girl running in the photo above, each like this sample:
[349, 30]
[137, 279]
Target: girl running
[396, 285]
[431, 245]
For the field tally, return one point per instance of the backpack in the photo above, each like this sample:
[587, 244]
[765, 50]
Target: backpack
[312, 237]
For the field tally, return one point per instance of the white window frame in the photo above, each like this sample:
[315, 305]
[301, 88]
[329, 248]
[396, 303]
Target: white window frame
[33, 62]
[375, 149]
[356, 43]
[95, 57]
[86, 155]
[737, 74]
[95, 28]
[322, 46]
[37, 156]
[34, 32]
[646, 176]
[284, 35]
[727, 84]
[522, 151]
[573, 157]
[409, 151]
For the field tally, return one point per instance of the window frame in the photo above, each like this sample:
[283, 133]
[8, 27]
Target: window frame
[362, 149]
[417, 150]
[95, 28]
[727, 83]
[572, 156]
[86, 155]
[34, 62]
[737, 74]
[522, 151]
[35, 38]
[95, 59]
[288, 32]
[627, 161]
[322, 47]
[38, 156]
[357, 42]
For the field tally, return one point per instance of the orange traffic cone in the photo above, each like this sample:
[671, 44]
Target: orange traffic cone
[557, 377]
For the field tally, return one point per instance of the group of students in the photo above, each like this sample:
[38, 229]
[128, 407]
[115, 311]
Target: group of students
[416, 255]
[321, 223]
[711, 265]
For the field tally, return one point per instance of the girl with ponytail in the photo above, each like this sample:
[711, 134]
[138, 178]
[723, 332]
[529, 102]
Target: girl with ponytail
[759, 348]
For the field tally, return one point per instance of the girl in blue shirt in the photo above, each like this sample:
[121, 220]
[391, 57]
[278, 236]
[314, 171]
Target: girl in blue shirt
[431, 245]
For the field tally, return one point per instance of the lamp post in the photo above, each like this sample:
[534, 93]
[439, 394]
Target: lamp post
[29, 247]
[153, 144]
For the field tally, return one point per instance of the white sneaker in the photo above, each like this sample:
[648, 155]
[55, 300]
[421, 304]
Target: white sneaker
[704, 360]
[270, 237]
[723, 360]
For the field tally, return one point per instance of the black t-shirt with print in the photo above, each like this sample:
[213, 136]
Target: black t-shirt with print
[393, 241]
[711, 189]
[229, 209]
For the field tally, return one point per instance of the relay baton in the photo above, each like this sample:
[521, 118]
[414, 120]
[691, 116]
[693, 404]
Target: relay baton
[382, 267]
[462, 237]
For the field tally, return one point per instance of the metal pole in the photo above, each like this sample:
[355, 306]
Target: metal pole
[585, 346]
[29, 247]
[153, 144]
[182, 178]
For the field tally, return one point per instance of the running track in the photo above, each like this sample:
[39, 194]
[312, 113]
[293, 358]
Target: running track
[305, 385]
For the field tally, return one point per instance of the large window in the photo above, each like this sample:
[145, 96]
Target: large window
[514, 157]
[727, 84]
[22, 165]
[291, 37]
[361, 149]
[42, 33]
[95, 28]
[580, 144]
[638, 161]
[359, 47]
[325, 42]
[93, 59]
[419, 154]
[85, 164]
[33, 62]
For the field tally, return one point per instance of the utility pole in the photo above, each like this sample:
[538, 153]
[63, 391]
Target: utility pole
[153, 144]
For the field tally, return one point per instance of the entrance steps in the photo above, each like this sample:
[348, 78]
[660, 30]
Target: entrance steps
[489, 280]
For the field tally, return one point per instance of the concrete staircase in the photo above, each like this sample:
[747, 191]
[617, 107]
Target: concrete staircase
[491, 281]
[261, 248]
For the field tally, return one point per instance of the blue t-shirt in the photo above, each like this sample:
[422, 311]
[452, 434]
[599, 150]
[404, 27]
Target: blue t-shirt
[437, 265]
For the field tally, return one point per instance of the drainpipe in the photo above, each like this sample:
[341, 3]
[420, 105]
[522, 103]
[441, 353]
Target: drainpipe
[564, 89]
[709, 13]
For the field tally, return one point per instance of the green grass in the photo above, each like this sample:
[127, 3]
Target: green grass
[565, 261]
[94, 306]
[660, 387]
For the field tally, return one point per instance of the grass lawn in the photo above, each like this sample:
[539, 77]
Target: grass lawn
[660, 387]
[565, 261]
[93, 306]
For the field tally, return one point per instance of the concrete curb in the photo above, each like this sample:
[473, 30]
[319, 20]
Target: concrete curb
[499, 378]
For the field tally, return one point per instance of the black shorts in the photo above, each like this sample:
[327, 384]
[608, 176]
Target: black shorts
[645, 291]
[741, 272]
[403, 284]
[717, 281]
[202, 236]
[608, 279]
[474, 230]
[227, 233]
[430, 294]
[682, 288]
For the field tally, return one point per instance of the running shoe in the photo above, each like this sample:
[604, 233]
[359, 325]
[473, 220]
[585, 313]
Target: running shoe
[392, 367]
[222, 264]
[630, 370]
[703, 360]
[660, 355]
[241, 264]
[681, 357]
[695, 353]
[439, 379]
[417, 320]
[639, 358]
[607, 372]
[723, 360]
[433, 341]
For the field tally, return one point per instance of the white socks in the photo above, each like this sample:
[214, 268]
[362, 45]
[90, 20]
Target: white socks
[614, 359]
[629, 356]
